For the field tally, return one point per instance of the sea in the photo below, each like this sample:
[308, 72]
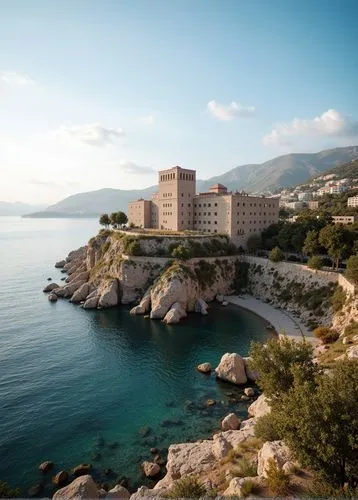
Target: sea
[100, 387]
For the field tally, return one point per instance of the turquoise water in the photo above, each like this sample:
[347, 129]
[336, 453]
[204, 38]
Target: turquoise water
[77, 386]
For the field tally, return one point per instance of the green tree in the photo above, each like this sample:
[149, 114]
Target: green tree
[315, 262]
[121, 218]
[276, 255]
[311, 244]
[104, 220]
[254, 243]
[335, 241]
[181, 252]
[275, 362]
[352, 268]
[318, 419]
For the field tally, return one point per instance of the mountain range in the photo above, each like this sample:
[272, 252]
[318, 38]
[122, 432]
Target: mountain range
[268, 177]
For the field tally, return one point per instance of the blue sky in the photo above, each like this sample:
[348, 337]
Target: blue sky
[104, 93]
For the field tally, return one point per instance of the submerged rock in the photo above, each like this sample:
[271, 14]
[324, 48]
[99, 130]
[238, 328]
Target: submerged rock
[36, 490]
[232, 369]
[81, 470]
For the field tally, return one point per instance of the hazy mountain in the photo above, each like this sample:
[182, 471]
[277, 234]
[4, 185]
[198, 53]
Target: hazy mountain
[17, 208]
[287, 170]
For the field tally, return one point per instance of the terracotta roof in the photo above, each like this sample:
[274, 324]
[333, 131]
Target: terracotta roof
[218, 186]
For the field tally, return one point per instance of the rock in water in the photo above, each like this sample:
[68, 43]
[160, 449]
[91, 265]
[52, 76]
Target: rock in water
[81, 470]
[204, 368]
[91, 303]
[61, 478]
[46, 466]
[118, 492]
[60, 264]
[36, 490]
[232, 369]
[150, 469]
[52, 297]
[249, 392]
[81, 488]
[230, 422]
[109, 294]
[50, 287]
[175, 314]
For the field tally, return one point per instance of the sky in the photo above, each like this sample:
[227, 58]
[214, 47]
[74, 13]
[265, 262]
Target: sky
[104, 93]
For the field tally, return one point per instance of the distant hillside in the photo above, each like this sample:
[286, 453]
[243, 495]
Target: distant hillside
[346, 171]
[288, 170]
[17, 208]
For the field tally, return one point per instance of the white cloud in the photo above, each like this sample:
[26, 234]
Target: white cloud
[12, 78]
[331, 124]
[130, 167]
[229, 112]
[93, 134]
[147, 120]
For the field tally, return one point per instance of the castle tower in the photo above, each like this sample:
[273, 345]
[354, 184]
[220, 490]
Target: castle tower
[175, 198]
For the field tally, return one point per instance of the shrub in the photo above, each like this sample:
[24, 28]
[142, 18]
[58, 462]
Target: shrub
[266, 428]
[276, 255]
[326, 334]
[181, 252]
[277, 481]
[315, 262]
[352, 269]
[247, 488]
[244, 468]
[7, 492]
[338, 299]
[187, 487]
[133, 248]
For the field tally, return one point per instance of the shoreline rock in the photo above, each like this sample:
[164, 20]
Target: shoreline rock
[232, 369]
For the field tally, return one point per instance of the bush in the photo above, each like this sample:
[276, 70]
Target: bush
[7, 492]
[133, 248]
[326, 334]
[338, 299]
[266, 428]
[247, 488]
[244, 468]
[277, 481]
[315, 262]
[276, 255]
[181, 252]
[352, 269]
[187, 487]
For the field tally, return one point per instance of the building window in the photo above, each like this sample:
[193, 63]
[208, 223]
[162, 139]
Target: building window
[238, 203]
[215, 213]
[215, 222]
[182, 194]
[209, 204]
[216, 204]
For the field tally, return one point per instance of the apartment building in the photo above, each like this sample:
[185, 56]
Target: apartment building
[352, 201]
[344, 219]
[177, 207]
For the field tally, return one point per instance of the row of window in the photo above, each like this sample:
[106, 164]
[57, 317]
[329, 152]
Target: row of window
[182, 176]
[254, 204]
[204, 204]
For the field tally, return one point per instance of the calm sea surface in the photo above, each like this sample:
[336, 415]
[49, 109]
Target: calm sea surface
[79, 386]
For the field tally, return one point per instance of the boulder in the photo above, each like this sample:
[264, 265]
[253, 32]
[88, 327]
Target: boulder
[175, 314]
[78, 276]
[219, 298]
[201, 307]
[346, 341]
[81, 470]
[91, 303]
[230, 422]
[260, 407]
[60, 264]
[60, 479]
[204, 368]
[109, 294]
[249, 392]
[144, 492]
[144, 305]
[50, 287]
[52, 297]
[275, 450]
[46, 466]
[36, 490]
[81, 488]
[236, 487]
[68, 290]
[232, 369]
[221, 446]
[252, 375]
[352, 352]
[118, 492]
[81, 293]
[150, 469]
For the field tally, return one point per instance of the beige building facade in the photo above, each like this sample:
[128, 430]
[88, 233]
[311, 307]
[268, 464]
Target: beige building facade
[177, 207]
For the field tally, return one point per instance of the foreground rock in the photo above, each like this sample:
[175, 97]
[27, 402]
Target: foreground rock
[230, 422]
[81, 488]
[50, 287]
[232, 369]
[275, 450]
[118, 492]
[150, 469]
[204, 368]
[260, 407]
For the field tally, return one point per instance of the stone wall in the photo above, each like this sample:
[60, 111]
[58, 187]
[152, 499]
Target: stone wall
[347, 286]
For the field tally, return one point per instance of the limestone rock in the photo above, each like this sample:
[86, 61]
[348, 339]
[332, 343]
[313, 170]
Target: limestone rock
[50, 287]
[230, 422]
[81, 470]
[61, 478]
[290, 467]
[60, 264]
[175, 314]
[221, 446]
[219, 298]
[109, 294]
[201, 307]
[352, 352]
[81, 488]
[260, 407]
[46, 466]
[252, 375]
[52, 297]
[275, 450]
[236, 487]
[204, 368]
[150, 469]
[81, 293]
[91, 303]
[346, 341]
[144, 492]
[144, 305]
[232, 369]
[78, 276]
[118, 492]
[68, 290]
[249, 392]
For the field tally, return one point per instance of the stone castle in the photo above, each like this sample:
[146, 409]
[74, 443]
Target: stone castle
[177, 207]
